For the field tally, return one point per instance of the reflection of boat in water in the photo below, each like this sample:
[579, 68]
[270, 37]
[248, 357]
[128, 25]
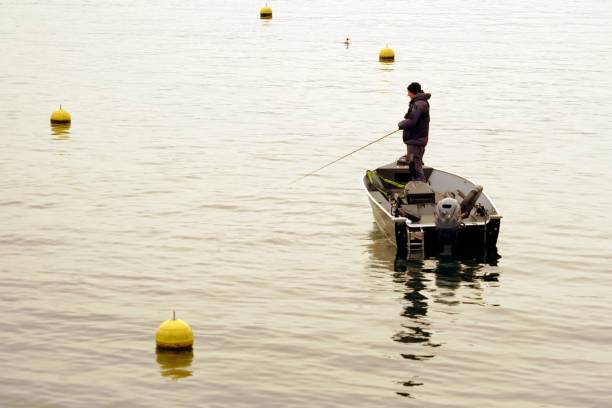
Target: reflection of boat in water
[447, 215]
[431, 289]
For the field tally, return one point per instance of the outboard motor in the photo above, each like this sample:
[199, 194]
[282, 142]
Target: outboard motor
[448, 220]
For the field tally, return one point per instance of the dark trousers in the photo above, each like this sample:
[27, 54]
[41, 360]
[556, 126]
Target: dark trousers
[415, 159]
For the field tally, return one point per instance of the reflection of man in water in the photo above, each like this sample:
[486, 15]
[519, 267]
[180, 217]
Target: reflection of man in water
[416, 130]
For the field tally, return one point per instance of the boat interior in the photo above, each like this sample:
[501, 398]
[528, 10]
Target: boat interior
[391, 186]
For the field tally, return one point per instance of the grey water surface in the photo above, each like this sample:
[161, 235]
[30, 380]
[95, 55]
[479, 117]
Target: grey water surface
[171, 191]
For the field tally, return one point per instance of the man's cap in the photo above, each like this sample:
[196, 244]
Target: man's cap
[415, 88]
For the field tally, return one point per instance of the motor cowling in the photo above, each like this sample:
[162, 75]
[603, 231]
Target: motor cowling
[448, 214]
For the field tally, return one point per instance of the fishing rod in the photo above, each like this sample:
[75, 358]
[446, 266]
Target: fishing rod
[346, 155]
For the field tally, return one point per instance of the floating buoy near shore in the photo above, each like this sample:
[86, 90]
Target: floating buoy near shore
[265, 12]
[60, 116]
[174, 334]
[386, 55]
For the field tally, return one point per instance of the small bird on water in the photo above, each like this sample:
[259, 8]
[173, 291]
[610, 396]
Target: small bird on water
[347, 42]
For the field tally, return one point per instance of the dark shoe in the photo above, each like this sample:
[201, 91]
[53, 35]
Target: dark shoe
[402, 161]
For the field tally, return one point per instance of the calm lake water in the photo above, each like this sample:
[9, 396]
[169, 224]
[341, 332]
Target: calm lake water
[170, 191]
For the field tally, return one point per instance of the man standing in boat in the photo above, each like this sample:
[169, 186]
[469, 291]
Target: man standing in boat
[416, 130]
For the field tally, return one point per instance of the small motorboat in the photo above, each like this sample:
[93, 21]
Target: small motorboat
[446, 215]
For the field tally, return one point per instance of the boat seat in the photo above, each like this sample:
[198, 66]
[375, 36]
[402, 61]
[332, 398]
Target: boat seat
[418, 192]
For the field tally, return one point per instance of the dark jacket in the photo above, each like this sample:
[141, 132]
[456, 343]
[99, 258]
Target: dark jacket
[416, 121]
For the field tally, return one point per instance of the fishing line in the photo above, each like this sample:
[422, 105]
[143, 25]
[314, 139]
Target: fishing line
[345, 156]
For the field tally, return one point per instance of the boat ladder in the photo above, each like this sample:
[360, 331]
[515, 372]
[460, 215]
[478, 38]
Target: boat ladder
[416, 244]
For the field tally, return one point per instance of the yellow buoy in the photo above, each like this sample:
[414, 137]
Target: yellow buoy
[60, 116]
[174, 334]
[386, 55]
[265, 12]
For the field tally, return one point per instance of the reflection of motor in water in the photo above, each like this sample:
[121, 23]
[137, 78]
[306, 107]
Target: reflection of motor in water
[175, 364]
